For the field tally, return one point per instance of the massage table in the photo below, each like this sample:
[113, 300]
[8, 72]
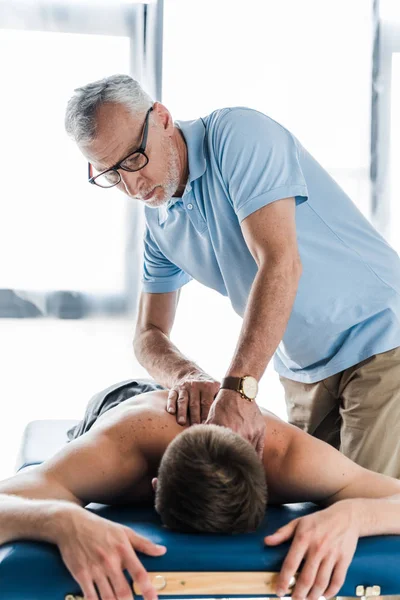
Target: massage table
[195, 565]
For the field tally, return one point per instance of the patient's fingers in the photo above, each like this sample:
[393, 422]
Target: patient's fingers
[290, 565]
[143, 544]
[337, 579]
[322, 578]
[135, 567]
[282, 534]
[88, 590]
[121, 588]
[105, 590]
[307, 577]
[140, 577]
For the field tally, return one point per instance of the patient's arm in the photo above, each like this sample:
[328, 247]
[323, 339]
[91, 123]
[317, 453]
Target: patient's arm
[45, 503]
[96, 467]
[24, 519]
[302, 468]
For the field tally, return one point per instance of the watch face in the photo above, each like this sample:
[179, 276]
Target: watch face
[250, 386]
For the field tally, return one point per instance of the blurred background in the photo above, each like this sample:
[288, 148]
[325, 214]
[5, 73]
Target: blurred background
[70, 258]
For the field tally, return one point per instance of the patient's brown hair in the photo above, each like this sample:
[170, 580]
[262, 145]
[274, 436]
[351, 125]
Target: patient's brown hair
[211, 480]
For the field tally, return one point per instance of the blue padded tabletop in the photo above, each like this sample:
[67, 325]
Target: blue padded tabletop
[35, 571]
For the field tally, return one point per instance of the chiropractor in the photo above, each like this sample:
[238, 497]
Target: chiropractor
[234, 201]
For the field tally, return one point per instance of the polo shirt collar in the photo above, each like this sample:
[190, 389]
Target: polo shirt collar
[194, 134]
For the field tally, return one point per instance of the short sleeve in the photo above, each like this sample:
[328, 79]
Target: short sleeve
[259, 160]
[159, 274]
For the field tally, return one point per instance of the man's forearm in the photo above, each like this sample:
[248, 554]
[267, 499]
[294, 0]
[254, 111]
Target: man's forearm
[162, 359]
[22, 518]
[267, 313]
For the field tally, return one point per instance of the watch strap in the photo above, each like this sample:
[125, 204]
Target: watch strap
[232, 383]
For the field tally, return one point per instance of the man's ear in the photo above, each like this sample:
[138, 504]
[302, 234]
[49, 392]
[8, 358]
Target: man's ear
[162, 115]
[154, 482]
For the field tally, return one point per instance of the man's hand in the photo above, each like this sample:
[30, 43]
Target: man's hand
[96, 552]
[326, 542]
[192, 397]
[242, 416]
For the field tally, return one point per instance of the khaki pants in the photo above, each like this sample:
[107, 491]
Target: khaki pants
[357, 411]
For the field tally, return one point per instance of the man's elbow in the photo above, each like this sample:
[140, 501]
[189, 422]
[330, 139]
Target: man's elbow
[293, 268]
[141, 340]
[298, 267]
[138, 343]
[288, 265]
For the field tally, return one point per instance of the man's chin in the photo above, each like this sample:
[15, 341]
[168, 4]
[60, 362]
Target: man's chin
[158, 199]
[156, 203]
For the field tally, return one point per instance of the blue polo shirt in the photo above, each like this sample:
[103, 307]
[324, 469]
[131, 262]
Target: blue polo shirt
[347, 306]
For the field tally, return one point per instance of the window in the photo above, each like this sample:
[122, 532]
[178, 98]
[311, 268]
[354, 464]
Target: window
[70, 248]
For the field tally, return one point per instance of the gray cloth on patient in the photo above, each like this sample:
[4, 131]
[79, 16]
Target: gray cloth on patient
[110, 397]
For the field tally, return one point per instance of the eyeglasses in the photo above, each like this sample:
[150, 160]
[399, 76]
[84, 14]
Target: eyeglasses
[133, 162]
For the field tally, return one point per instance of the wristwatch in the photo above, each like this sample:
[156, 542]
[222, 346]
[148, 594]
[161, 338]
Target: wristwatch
[247, 386]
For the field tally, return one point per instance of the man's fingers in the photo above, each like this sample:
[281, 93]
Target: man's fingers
[171, 402]
[206, 400]
[192, 397]
[182, 406]
[194, 407]
[260, 447]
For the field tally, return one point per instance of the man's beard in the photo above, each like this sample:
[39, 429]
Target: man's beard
[171, 184]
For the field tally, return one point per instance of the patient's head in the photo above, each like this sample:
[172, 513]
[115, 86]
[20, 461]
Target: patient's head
[211, 480]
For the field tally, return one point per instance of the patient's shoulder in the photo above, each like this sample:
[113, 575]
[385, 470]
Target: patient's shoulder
[133, 409]
[141, 422]
[278, 436]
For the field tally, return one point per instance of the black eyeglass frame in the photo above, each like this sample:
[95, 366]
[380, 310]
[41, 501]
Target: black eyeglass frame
[140, 150]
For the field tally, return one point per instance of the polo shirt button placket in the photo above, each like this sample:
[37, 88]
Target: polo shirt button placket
[193, 214]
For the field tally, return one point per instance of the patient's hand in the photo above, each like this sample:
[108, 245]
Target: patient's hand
[242, 416]
[192, 397]
[96, 551]
[326, 542]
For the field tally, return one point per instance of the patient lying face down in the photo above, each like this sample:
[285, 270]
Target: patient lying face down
[211, 480]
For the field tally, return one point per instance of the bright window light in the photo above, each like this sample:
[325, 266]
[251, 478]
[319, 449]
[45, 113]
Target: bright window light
[56, 230]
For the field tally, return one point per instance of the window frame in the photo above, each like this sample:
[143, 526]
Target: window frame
[386, 43]
[142, 22]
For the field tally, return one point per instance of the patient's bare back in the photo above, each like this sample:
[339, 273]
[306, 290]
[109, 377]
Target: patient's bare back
[113, 463]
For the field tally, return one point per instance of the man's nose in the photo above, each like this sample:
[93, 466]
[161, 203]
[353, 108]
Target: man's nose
[129, 181]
